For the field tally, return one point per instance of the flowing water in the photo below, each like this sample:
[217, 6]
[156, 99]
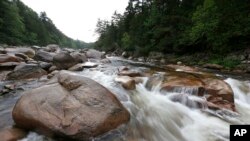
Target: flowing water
[155, 117]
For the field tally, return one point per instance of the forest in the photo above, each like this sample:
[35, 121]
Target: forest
[177, 26]
[20, 25]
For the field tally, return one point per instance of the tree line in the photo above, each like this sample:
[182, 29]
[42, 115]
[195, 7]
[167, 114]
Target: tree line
[177, 26]
[20, 25]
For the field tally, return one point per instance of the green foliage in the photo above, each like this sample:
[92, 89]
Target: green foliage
[174, 26]
[226, 62]
[21, 25]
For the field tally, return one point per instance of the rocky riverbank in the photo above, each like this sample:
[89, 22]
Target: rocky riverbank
[56, 100]
[236, 62]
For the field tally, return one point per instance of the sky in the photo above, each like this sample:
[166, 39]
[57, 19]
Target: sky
[77, 18]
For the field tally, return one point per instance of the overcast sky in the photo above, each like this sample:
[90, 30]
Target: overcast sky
[77, 18]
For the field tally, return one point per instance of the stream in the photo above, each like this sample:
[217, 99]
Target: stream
[154, 117]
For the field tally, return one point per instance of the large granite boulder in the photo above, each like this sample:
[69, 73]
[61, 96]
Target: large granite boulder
[71, 106]
[217, 93]
[94, 54]
[79, 57]
[64, 60]
[44, 56]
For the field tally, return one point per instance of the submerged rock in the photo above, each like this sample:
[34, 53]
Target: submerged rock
[73, 106]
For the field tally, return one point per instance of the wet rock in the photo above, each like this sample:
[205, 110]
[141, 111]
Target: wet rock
[79, 57]
[27, 51]
[94, 54]
[213, 66]
[4, 58]
[219, 89]
[77, 67]
[126, 82]
[75, 107]
[210, 87]
[26, 71]
[12, 134]
[23, 56]
[80, 67]
[44, 56]
[63, 60]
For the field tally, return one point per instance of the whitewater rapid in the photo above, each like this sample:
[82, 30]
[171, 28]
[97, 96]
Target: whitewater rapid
[154, 117]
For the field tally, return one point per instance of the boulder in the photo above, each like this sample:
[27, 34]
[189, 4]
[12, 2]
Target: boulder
[63, 60]
[9, 58]
[94, 54]
[210, 87]
[74, 107]
[45, 65]
[27, 51]
[79, 57]
[44, 56]
[23, 56]
[77, 67]
[126, 82]
[12, 134]
[52, 48]
[26, 71]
